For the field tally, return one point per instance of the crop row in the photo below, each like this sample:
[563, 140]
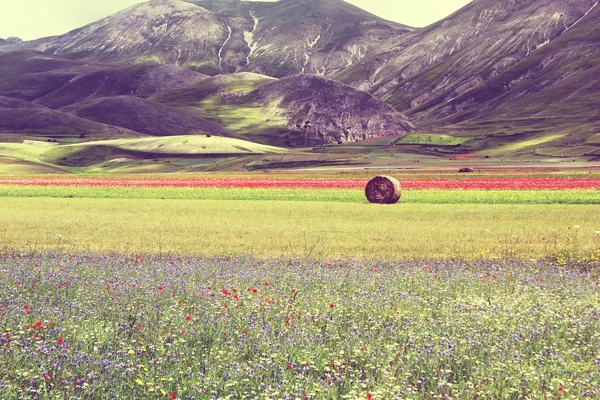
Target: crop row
[492, 183]
[424, 196]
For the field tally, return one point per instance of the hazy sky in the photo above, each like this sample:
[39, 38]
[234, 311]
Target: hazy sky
[31, 19]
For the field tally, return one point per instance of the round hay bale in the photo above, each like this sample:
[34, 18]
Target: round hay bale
[383, 190]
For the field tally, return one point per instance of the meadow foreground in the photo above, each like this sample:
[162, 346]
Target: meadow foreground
[91, 326]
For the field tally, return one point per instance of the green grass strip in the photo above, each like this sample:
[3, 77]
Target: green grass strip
[433, 196]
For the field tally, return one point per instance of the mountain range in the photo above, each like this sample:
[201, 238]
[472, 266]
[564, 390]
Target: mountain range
[506, 76]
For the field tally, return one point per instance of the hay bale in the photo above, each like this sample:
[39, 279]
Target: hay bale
[383, 190]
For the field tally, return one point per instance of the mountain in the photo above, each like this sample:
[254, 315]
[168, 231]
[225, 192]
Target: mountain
[145, 116]
[500, 63]
[550, 94]
[56, 82]
[301, 36]
[19, 118]
[161, 31]
[70, 97]
[300, 110]
[507, 77]
[465, 49]
[224, 36]
[10, 41]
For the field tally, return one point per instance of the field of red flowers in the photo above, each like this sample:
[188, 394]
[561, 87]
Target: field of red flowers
[451, 182]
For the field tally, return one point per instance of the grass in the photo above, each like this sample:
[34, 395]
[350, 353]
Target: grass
[248, 119]
[590, 196]
[522, 145]
[87, 156]
[184, 145]
[431, 139]
[595, 139]
[276, 228]
[188, 144]
[116, 292]
[242, 328]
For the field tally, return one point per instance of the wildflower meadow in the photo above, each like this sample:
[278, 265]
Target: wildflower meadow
[294, 287]
[92, 326]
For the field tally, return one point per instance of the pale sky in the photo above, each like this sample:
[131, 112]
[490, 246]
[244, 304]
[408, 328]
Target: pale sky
[32, 19]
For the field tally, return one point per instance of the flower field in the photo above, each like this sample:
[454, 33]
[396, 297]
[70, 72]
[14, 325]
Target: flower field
[487, 183]
[90, 326]
[472, 287]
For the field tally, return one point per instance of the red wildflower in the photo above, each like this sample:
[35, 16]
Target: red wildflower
[188, 318]
[60, 340]
[172, 395]
[160, 288]
[441, 182]
[47, 377]
[331, 305]
[369, 396]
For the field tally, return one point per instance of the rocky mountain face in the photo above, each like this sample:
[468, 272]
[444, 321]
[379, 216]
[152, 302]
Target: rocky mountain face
[300, 36]
[297, 111]
[323, 111]
[10, 41]
[463, 51]
[162, 31]
[553, 91]
[559, 72]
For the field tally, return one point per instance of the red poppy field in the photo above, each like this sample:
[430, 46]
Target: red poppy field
[432, 189]
[479, 183]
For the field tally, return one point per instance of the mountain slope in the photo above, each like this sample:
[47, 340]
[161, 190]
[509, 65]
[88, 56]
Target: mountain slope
[552, 92]
[223, 36]
[140, 80]
[462, 51]
[144, 116]
[506, 72]
[312, 36]
[163, 31]
[19, 118]
[56, 82]
[300, 110]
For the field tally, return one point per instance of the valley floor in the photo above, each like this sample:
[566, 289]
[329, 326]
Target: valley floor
[293, 286]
